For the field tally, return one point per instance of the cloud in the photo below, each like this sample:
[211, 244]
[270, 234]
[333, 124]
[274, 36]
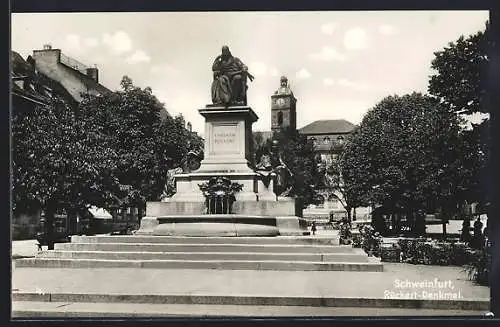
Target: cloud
[164, 69]
[91, 42]
[328, 81]
[257, 68]
[328, 28]
[118, 43]
[361, 86]
[386, 29]
[303, 74]
[356, 39]
[273, 72]
[328, 53]
[345, 82]
[72, 42]
[99, 59]
[138, 56]
[75, 45]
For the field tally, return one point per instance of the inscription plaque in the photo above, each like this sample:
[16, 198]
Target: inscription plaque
[225, 139]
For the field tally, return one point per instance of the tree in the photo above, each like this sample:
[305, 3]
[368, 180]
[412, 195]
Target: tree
[461, 72]
[410, 154]
[333, 185]
[148, 141]
[111, 150]
[58, 164]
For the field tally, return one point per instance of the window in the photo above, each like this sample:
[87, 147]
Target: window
[326, 140]
[280, 118]
[340, 139]
[313, 140]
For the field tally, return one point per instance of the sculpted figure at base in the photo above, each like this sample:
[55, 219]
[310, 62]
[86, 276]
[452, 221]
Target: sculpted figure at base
[229, 86]
[188, 164]
[271, 164]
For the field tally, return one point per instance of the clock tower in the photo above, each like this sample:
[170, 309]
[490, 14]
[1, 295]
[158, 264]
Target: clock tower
[283, 112]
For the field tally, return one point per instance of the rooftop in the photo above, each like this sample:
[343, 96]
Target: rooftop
[84, 72]
[336, 126]
[32, 85]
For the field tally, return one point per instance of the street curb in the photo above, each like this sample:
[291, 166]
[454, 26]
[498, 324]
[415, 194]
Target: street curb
[476, 305]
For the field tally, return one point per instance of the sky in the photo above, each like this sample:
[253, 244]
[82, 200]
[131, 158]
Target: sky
[339, 64]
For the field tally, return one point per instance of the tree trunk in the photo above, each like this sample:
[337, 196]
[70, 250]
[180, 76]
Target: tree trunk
[348, 215]
[443, 218]
[49, 225]
[71, 227]
[411, 221]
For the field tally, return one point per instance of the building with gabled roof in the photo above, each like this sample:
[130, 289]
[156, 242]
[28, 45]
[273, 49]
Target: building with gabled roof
[328, 136]
[75, 77]
[319, 127]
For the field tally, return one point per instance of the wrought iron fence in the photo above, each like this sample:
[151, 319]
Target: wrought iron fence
[218, 204]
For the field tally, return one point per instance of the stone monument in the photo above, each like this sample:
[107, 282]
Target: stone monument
[225, 196]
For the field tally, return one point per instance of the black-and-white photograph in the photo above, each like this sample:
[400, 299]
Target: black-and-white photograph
[250, 164]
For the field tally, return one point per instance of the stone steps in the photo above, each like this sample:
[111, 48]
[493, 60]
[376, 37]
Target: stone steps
[371, 265]
[32, 309]
[250, 256]
[252, 300]
[206, 240]
[203, 247]
[181, 252]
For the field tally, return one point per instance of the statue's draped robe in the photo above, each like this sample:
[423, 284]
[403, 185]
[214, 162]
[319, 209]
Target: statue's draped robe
[222, 92]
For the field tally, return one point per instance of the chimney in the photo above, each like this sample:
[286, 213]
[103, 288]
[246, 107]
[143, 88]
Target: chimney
[47, 47]
[93, 73]
[189, 127]
[32, 65]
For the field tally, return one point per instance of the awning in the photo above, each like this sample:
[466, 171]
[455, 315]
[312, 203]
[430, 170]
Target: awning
[99, 213]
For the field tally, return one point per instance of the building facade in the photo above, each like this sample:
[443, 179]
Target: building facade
[75, 77]
[34, 82]
[28, 91]
[328, 136]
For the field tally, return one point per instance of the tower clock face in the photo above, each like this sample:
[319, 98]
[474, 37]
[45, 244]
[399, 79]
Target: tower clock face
[280, 102]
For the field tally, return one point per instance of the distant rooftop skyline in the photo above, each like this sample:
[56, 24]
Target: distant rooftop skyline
[339, 64]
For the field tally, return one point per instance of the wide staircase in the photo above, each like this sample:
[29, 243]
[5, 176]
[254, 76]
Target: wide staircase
[230, 253]
[215, 277]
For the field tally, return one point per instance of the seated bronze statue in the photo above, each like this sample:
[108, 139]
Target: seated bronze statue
[229, 86]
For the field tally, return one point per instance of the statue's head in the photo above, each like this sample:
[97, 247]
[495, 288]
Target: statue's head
[225, 51]
[284, 81]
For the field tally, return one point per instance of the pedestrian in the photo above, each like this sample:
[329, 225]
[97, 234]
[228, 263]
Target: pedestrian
[313, 228]
[465, 236]
[39, 240]
[478, 234]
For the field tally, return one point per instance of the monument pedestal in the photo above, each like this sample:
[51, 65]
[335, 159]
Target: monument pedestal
[228, 148]
[228, 143]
